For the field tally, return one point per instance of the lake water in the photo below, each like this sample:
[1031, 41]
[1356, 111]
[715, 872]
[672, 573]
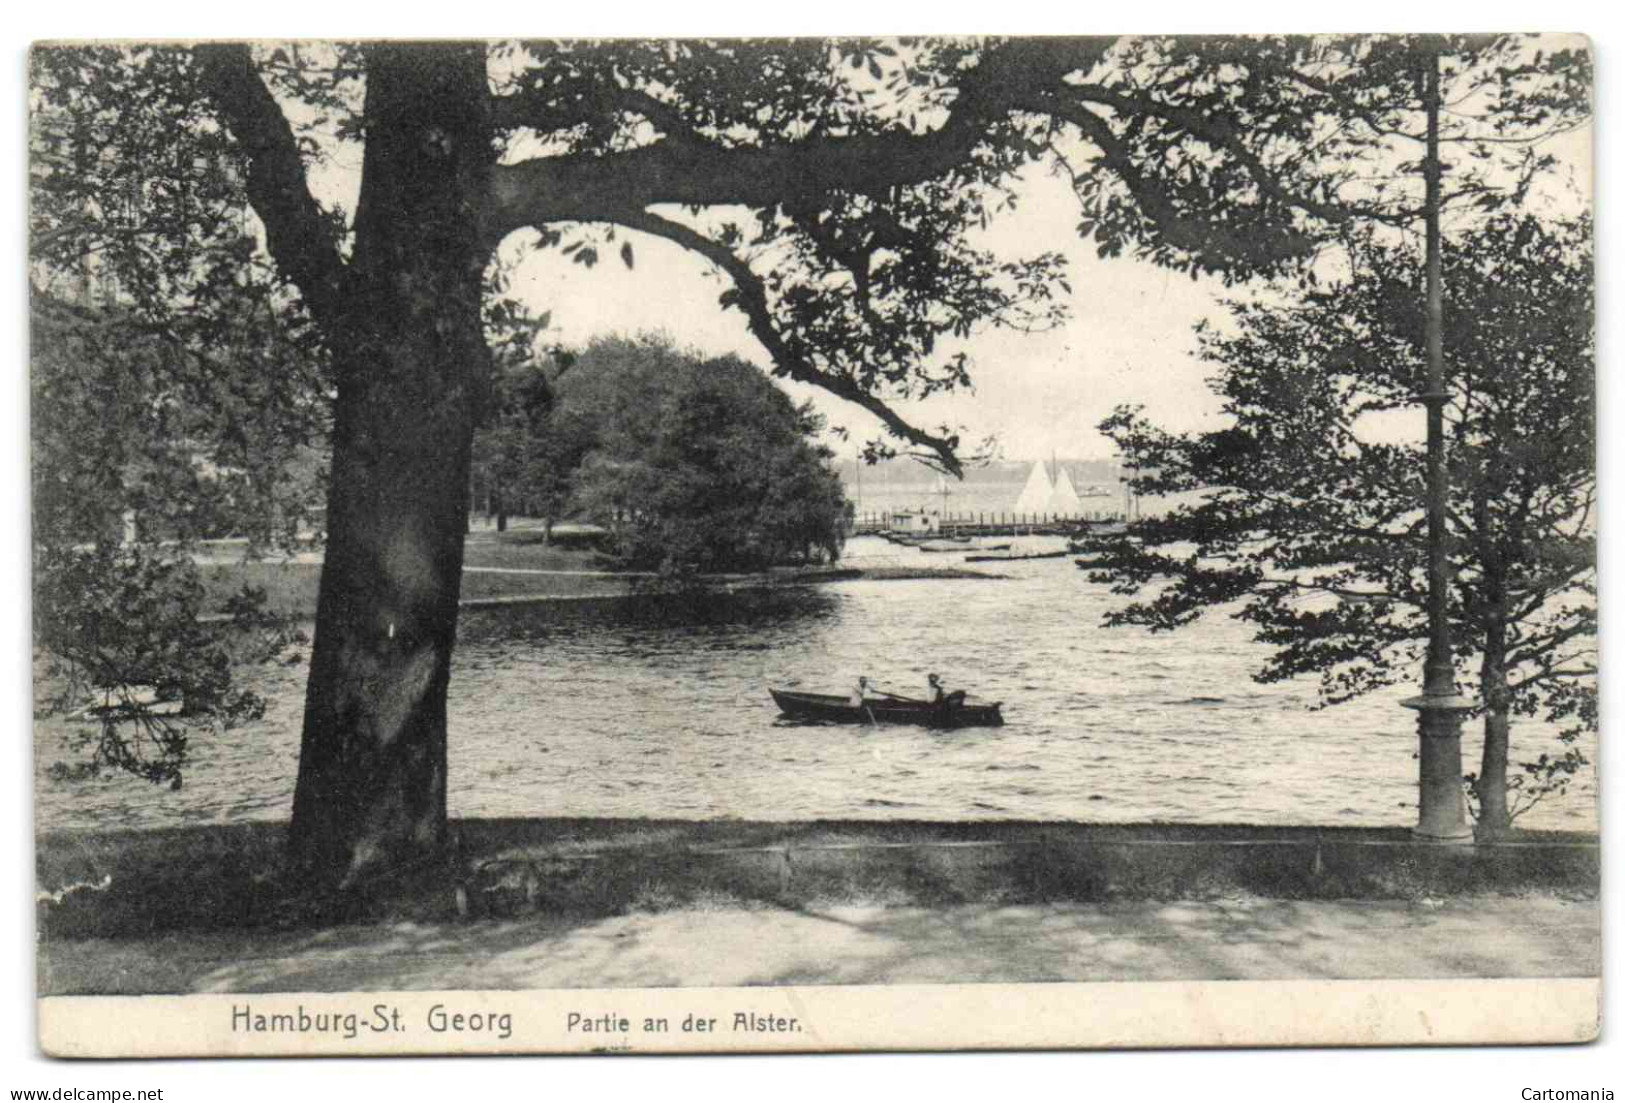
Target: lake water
[636, 708]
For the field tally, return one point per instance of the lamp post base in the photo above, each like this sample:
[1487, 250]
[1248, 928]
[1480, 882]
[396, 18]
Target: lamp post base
[1441, 805]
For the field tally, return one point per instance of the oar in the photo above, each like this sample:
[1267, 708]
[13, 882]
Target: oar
[897, 697]
[871, 713]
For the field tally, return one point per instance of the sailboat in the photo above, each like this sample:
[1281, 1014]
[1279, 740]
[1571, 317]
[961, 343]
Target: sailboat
[1064, 500]
[1045, 496]
[1035, 496]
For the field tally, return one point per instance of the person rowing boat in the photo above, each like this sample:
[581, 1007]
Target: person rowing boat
[859, 692]
[944, 704]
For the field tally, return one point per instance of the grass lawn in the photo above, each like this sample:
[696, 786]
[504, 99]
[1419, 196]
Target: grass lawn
[291, 586]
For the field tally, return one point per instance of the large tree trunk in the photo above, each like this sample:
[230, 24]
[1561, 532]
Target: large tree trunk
[413, 363]
[1494, 819]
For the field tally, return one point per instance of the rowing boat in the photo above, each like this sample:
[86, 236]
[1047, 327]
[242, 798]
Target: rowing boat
[954, 711]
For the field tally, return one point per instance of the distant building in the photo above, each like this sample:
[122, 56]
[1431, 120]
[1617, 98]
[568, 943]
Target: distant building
[913, 522]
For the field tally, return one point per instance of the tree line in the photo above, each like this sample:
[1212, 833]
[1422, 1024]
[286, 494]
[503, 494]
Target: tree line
[691, 464]
[1299, 519]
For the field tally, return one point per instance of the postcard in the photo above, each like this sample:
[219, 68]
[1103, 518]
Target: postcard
[789, 545]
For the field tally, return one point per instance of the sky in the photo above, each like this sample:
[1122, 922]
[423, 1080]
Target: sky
[1128, 338]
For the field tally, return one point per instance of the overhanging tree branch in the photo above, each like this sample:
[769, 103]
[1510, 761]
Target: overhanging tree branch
[752, 299]
[697, 173]
[557, 108]
[1212, 131]
[684, 168]
[296, 232]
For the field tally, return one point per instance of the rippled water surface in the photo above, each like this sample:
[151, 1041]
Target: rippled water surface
[633, 708]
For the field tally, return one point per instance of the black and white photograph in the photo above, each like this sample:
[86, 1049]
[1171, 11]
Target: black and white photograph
[774, 545]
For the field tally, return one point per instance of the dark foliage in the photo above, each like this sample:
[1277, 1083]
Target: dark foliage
[1300, 519]
[698, 465]
[125, 654]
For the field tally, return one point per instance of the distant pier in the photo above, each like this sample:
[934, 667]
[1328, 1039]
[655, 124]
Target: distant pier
[986, 524]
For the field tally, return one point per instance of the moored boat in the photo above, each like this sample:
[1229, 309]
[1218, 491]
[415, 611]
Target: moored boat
[1017, 556]
[954, 711]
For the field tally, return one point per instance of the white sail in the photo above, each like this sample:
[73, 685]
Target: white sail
[1035, 496]
[1064, 500]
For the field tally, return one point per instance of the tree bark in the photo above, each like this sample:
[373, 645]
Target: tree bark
[413, 367]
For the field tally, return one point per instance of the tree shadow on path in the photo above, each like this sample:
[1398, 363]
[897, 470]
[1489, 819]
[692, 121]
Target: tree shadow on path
[1250, 939]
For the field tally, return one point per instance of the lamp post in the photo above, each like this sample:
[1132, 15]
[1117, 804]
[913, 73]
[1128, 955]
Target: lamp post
[1441, 805]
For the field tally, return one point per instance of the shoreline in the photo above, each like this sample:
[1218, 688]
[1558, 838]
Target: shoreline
[291, 587]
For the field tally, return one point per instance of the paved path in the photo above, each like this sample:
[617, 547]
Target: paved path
[1531, 936]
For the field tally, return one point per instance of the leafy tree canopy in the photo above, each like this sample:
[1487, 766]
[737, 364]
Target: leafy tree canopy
[698, 464]
[836, 184]
[524, 459]
[177, 394]
[1299, 518]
